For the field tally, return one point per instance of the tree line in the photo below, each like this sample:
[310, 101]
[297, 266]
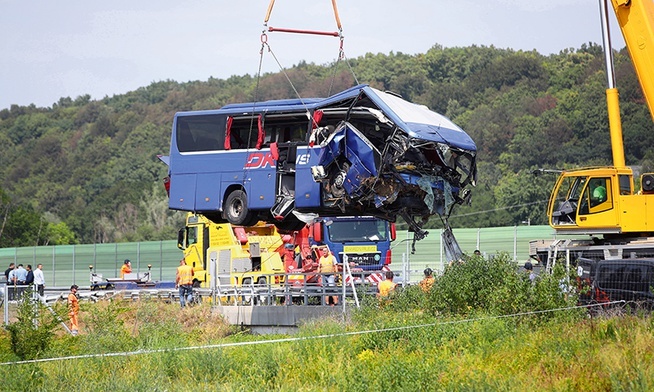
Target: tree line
[86, 171]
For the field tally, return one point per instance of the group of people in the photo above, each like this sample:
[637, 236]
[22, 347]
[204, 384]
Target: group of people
[328, 267]
[20, 277]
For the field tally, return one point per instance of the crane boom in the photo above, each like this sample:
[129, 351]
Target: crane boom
[612, 96]
[636, 20]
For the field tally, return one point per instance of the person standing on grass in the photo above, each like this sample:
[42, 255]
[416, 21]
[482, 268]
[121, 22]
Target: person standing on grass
[39, 280]
[73, 310]
[184, 281]
[8, 270]
[529, 268]
[18, 275]
[9, 274]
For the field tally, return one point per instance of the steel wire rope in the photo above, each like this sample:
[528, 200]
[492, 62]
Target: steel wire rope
[254, 101]
[341, 56]
[309, 116]
[264, 44]
[304, 338]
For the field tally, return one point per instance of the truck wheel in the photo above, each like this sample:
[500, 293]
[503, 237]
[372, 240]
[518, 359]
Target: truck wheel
[236, 209]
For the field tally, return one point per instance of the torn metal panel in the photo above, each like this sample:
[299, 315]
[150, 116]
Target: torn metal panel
[394, 155]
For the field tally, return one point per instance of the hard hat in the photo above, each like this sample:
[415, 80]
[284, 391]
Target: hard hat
[127, 261]
[529, 266]
[428, 271]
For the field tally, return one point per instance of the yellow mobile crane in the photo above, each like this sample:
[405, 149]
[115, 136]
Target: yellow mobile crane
[602, 201]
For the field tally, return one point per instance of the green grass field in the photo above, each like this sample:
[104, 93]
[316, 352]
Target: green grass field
[482, 327]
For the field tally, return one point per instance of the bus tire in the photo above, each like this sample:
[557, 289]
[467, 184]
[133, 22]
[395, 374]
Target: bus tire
[236, 209]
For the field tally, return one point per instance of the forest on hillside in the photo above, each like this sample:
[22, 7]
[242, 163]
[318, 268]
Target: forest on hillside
[86, 171]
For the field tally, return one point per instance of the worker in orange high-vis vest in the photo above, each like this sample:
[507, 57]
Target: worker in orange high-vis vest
[73, 310]
[125, 269]
[184, 281]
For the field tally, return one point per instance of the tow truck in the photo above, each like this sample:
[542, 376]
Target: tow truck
[601, 204]
[262, 255]
[244, 255]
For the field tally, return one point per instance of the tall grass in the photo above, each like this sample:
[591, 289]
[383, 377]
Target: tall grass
[420, 341]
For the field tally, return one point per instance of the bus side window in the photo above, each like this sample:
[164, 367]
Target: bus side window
[298, 134]
[271, 136]
[293, 134]
[286, 135]
[185, 140]
[237, 139]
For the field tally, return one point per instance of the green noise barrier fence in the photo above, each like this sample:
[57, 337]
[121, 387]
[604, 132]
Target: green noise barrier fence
[64, 265]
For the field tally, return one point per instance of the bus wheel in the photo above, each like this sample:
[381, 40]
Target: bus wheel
[236, 209]
[215, 217]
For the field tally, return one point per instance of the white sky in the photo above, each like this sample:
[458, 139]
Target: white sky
[68, 48]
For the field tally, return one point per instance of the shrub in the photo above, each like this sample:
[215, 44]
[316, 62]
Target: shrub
[495, 286]
[33, 333]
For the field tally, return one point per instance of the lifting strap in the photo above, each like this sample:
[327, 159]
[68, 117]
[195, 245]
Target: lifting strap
[334, 34]
[339, 34]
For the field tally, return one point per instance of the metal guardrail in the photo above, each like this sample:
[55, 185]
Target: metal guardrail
[310, 292]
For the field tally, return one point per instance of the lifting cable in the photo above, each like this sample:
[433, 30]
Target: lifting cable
[271, 29]
[264, 45]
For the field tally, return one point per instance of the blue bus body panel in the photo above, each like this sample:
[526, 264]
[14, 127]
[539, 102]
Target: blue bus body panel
[182, 196]
[261, 187]
[208, 193]
[307, 191]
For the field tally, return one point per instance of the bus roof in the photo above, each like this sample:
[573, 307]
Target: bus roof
[416, 120]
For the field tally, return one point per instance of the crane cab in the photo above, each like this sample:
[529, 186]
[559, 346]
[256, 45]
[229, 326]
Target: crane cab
[601, 201]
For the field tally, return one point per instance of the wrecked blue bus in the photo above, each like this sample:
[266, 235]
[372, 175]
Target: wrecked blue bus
[359, 152]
